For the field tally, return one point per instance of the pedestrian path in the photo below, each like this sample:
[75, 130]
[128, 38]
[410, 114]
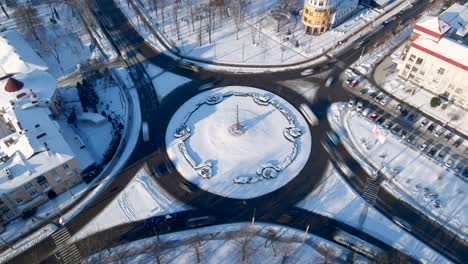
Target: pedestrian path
[67, 253]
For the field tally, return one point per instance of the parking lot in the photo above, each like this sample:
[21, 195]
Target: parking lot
[442, 145]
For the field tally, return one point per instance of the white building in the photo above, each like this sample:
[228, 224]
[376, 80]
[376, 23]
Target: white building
[436, 55]
[36, 162]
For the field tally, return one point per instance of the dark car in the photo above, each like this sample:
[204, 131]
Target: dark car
[465, 172]
[411, 138]
[388, 125]
[411, 117]
[380, 120]
[448, 136]
[458, 142]
[396, 129]
[404, 112]
[431, 128]
[432, 152]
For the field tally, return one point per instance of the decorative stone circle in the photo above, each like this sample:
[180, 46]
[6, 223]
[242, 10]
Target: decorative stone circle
[185, 125]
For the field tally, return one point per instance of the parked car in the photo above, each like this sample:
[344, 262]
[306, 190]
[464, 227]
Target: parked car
[424, 122]
[458, 142]
[431, 128]
[359, 107]
[381, 120]
[432, 152]
[439, 132]
[412, 117]
[411, 139]
[366, 112]
[395, 130]
[388, 125]
[443, 153]
[448, 136]
[355, 82]
[465, 172]
[403, 134]
[422, 147]
[329, 81]
[351, 102]
[385, 100]
[404, 112]
[373, 116]
[379, 96]
[458, 168]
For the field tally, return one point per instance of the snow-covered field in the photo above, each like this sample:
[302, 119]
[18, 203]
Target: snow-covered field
[263, 145]
[336, 199]
[163, 81]
[420, 181]
[140, 199]
[222, 244]
[253, 39]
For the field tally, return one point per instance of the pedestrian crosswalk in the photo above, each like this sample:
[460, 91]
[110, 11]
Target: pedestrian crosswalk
[68, 253]
[370, 191]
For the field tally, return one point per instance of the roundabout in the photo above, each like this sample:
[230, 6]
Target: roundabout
[238, 142]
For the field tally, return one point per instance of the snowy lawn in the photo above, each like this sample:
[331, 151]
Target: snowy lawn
[223, 243]
[163, 81]
[140, 199]
[253, 39]
[420, 181]
[336, 199]
[229, 158]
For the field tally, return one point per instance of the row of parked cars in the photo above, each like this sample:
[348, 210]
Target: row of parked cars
[438, 151]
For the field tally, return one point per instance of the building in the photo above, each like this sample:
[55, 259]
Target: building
[435, 56]
[36, 162]
[320, 15]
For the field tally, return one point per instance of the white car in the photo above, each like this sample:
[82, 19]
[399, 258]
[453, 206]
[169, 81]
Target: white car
[385, 101]
[360, 105]
[422, 147]
[351, 102]
[145, 131]
[307, 72]
[329, 81]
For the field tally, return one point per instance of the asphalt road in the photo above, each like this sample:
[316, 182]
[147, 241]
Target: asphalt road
[269, 207]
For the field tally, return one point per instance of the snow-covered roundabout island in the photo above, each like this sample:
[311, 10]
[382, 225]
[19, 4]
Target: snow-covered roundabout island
[238, 142]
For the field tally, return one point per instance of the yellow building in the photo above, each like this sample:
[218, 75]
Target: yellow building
[316, 15]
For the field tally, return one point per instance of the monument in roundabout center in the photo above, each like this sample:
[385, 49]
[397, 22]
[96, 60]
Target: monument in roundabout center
[238, 142]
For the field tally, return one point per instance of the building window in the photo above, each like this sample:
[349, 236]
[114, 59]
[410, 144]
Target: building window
[412, 58]
[54, 172]
[33, 193]
[419, 61]
[305, 19]
[307, 11]
[436, 80]
[58, 179]
[411, 76]
[414, 69]
[408, 66]
[458, 90]
[441, 71]
[422, 73]
[65, 166]
[28, 186]
[451, 86]
[18, 200]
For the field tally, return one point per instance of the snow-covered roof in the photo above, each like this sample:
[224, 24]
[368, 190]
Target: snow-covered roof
[434, 24]
[39, 82]
[91, 117]
[16, 55]
[382, 3]
[457, 16]
[35, 150]
[447, 48]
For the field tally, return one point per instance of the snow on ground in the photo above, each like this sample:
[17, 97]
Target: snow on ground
[163, 81]
[140, 199]
[218, 244]
[262, 144]
[336, 199]
[257, 40]
[26, 243]
[18, 227]
[453, 115]
[417, 172]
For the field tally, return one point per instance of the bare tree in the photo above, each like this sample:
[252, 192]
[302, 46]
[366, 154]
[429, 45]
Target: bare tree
[4, 10]
[285, 251]
[238, 9]
[120, 254]
[27, 20]
[197, 247]
[272, 237]
[155, 249]
[209, 18]
[243, 240]
[175, 16]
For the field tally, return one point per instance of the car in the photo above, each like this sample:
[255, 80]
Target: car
[145, 131]
[403, 134]
[329, 81]
[355, 82]
[402, 223]
[422, 147]
[385, 100]
[388, 125]
[458, 168]
[404, 112]
[448, 136]
[424, 122]
[359, 107]
[363, 91]
[439, 132]
[465, 172]
[381, 120]
[432, 152]
[431, 128]
[412, 117]
[449, 163]
[379, 96]
[395, 130]
[457, 142]
[366, 112]
[200, 221]
[307, 72]
[351, 102]
[373, 95]
[443, 153]
[373, 116]
[411, 138]
[349, 80]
